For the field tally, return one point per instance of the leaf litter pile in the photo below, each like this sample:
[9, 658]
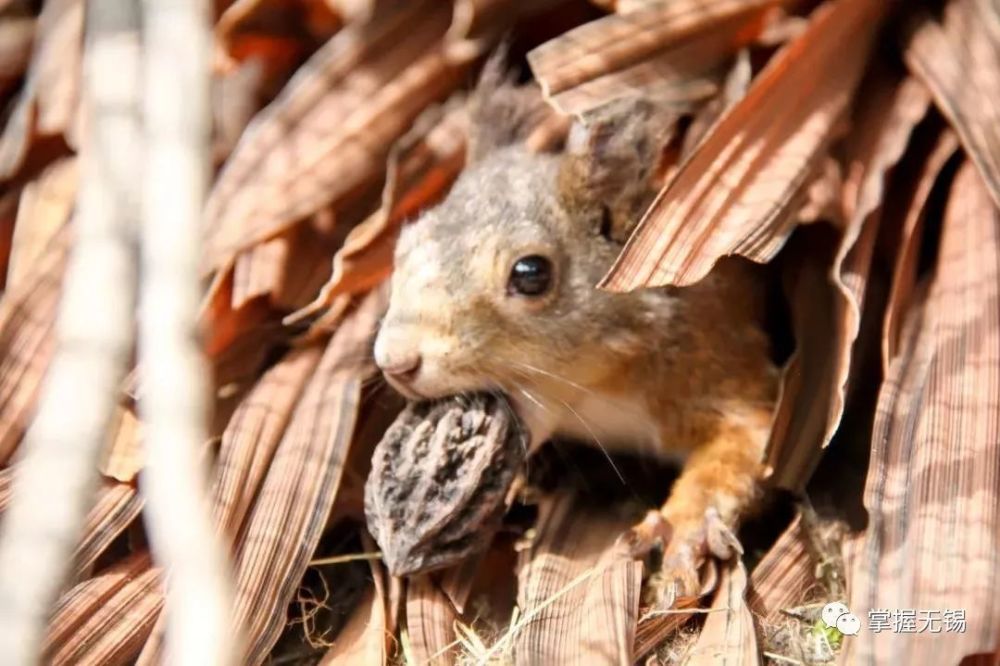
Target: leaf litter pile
[854, 145]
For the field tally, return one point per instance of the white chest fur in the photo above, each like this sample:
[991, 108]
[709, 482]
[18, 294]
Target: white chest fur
[615, 423]
[611, 422]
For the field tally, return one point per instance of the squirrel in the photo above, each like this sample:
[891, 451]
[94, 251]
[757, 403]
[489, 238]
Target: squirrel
[495, 289]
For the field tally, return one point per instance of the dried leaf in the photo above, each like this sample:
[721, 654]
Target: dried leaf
[77, 604]
[479, 22]
[784, 575]
[258, 270]
[273, 36]
[27, 317]
[421, 169]
[988, 659]
[48, 100]
[103, 620]
[933, 536]
[234, 102]
[904, 274]
[737, 192]
[224, 325]
[472, 17]
[45, 206]
[883, 131]
[429, 624]
[578, 597]
[823, 196]
[248, 27]
[238, 368]
[329, 132]
[795, 442]
[889, 111]
[284, 525]
[117, 505]
[959, 61]
[458, 581]
[379, 409]
[734, 88]
[253, 434]
[653, 629]
[288, 270]
[279, 469]
[728, 636]
[124, 457]
[308, 267]
[815, 378]
[152, 650]
[362, 640]
[674, 52]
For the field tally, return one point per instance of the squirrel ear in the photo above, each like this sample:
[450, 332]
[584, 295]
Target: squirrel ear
[611, 159]
[500, 111]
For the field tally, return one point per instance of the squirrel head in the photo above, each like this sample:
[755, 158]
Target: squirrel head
[495, 288]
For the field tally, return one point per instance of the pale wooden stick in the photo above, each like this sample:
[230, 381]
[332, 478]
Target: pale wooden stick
[173, 397]
[57, 472]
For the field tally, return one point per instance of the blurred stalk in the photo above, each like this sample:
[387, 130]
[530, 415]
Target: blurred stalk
[174, 394]
[56, 475]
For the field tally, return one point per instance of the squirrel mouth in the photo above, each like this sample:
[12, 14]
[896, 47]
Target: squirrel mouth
[536, 417]
[404, 389]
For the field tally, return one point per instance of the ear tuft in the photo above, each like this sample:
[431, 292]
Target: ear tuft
[610, 161]
[501, 112]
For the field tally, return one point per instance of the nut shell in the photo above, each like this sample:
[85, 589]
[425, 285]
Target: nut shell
[439, 480]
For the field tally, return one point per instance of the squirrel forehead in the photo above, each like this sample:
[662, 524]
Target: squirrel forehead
[502, 202]
[511, 190]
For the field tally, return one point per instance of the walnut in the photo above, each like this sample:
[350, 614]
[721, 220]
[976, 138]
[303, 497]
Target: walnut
[439, 480]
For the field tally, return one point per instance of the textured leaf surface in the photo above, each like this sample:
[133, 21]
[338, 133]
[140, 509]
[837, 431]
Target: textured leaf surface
[103, 620]
[579, 599]
[738, 191]
[674, 52]
[816, 377]
[932, 492]
[959, 61]
[330, 130]
[728, 636]
[48, 100]
[285, 523]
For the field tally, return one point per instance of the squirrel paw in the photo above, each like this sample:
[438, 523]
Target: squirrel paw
[677, 578]
[719, 538]
[651, 533]
[685, 553]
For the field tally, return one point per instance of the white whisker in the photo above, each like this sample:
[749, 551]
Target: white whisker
[546, 373]
[576, 414]
[532, 398]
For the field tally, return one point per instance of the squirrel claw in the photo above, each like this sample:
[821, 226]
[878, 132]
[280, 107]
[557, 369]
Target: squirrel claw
[677, 578]
[684, 556]
[652, 532]
[719, 538]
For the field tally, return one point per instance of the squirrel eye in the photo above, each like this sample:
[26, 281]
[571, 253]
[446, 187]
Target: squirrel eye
[530, 276]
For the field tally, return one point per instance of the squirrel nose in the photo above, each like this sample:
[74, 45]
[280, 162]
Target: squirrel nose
[400, 366]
